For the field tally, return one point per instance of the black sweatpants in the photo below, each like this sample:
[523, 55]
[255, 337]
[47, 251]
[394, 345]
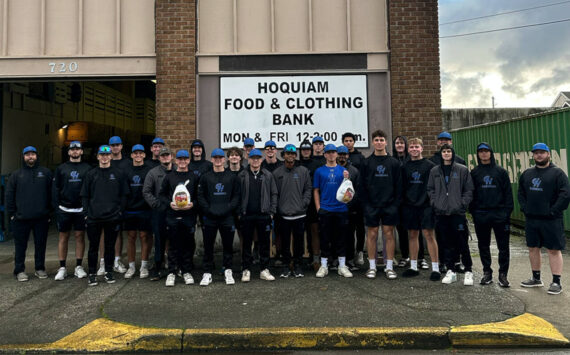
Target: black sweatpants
[227, 231]
[355, 226]
[297, 227]
[21, 230]
[182, 244]
[160, 235]
[94, 229]
[501, 228]
[333, 227]
[454, 234]
[250, 224]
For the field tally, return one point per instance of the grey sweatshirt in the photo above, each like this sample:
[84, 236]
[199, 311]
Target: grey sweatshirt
[294, 186]
[454, 197]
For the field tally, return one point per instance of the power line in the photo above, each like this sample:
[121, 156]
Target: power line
[503, 13]
[505, 29]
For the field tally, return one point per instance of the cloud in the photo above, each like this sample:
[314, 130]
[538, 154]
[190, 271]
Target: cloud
[522, 67]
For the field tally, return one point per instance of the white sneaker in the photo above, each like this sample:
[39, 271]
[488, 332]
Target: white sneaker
[229, 275]
[61, 274]
[188, 279]
[130, 272]
[344, 271]
[371, 273]
[323, 271]
[245, 276]
[101, 270]
[143, 272]
[80, 272]
[119, 267]
[450, 277]
[359, 260]
[468, 279]
[266, 275]
[170, 280]
[206, 279]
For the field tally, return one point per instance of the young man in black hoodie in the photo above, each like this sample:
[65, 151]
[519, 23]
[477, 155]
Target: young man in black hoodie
[218, 197]
[257, 208]
[417, 214]
[381, 194]
[138, 216]
[544, 194]
[356, 158]
[400, 150]
[67, 182]
[450, 190]
[104, 197]
[28, 203]
[180, 220]
[198, 163]
[491, 210]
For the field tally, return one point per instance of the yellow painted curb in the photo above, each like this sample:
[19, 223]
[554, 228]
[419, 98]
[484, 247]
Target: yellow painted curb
[523, 330]
[315, 338]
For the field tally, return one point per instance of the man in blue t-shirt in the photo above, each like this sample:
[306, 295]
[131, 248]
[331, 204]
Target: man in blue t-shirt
[333, 215]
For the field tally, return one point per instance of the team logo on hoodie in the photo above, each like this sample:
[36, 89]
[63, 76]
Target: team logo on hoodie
[416, 178]
[219, 189]
[488, 182]
[136, 181]
[536, 184]
[381, 171]
[74, 176]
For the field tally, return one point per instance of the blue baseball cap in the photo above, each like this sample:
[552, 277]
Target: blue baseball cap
[341, 149]
[115, 140]
[158, 140]
[444, 135]
[248, 141]
[270, 144]
[318, 139]
[255, 153]
[330, 148]
[290, 148]
[483, 146]
[104, 149]
[540, 146]
[218, 153]
[137, 148]
[29, 149]
[182, 153]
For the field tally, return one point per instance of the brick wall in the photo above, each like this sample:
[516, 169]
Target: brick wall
[176, 71]
[414, 70]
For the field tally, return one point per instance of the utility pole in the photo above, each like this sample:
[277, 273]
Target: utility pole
[493, 101]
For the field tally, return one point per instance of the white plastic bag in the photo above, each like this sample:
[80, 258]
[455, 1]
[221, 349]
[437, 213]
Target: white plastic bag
[345, 192]
[181, 196]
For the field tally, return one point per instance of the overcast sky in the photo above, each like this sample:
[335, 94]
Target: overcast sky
[521, 68]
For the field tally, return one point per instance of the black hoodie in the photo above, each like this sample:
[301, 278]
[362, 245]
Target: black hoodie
[28, 192]
[492, 193]
[406, 157]
[199, 167]
[67, 182]
[381, 183]
[544, 193]
[104, 194]
[415, 175]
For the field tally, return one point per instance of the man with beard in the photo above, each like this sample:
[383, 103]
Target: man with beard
[28, 203]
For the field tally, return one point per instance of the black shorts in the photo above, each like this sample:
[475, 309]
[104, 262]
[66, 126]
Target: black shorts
[548, 233]
[389, 216]
[137, 221]
[68, 220]
[418, 218]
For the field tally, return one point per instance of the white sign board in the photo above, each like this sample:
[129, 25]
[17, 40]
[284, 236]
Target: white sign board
[290, 109]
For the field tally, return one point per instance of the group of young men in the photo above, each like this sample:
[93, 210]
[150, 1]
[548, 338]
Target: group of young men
[296, 196]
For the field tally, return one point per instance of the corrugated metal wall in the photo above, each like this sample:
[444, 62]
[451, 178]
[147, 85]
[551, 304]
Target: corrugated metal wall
[512, 141]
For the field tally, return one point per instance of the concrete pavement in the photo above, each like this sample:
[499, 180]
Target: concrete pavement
[307, 313]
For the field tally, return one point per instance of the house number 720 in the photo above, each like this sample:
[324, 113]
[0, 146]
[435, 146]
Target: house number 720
[63, 67]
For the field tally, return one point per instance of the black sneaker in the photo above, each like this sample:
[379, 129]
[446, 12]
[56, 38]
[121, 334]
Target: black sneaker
[532, 283]
[503, 282]
[285, 274]
[109, 278]
[351, 266]
[154, 275]
[554, 289]
[459, 268]
[435, 276]
[410, 273]
[298, 272]
[92, 281]
[487, 279]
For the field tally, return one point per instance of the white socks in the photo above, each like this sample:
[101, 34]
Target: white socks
[372, 263]
[414, 264]
[435, 267]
